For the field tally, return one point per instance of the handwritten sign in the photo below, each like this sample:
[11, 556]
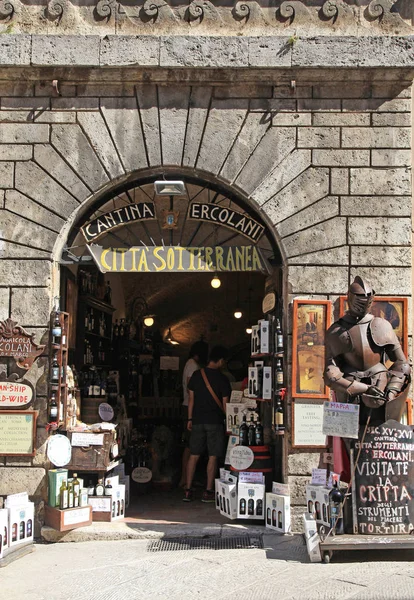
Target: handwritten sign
[241, 457]
[106, 412]
[141, 475]
[307, 423]
[84, 440]
[385, 480]
[15, 394]
[318, 477]
[17, 433]
[341, 419]
[281, 489]
[71, 517]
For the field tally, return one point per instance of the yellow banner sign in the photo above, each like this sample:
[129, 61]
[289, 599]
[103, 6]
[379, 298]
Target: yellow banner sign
[154, 259]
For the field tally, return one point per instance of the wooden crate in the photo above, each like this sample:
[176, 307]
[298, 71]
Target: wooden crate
[91, 458]
[71, 518]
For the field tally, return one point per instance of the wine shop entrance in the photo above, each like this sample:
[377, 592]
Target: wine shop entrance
[154, 279]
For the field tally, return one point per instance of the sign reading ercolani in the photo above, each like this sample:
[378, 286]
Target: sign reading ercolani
[153, 259]
[229, 218]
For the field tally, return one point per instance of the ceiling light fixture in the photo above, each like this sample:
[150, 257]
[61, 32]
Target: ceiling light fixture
[215, 282]
[149, 320]
[238, 314]
[248, 330]
[170, 339]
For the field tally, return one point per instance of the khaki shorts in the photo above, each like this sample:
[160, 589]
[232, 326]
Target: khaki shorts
[208, 436]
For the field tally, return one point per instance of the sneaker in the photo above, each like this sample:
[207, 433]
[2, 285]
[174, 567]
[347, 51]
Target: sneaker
[208, 496]
[188, 496]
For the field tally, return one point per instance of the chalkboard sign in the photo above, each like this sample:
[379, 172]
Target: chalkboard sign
[385, 480]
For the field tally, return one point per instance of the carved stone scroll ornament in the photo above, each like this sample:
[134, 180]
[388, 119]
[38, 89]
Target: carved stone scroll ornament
[380, 11]
[336, 9]
[203, 11]
[296, 12]
[379, 8]
[17, 343]
[55, 9]
[250, 12]
[6, 9]
[157, 10]
[105, 8]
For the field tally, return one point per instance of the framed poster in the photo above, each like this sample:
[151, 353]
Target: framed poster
[311, 319]
[18, 432]
[307, 421]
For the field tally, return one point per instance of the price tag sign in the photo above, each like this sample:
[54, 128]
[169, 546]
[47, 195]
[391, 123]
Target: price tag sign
[106, 412]
[341, 419]
[281, 489]
[141, 475]
[318, 477]
[241, 457]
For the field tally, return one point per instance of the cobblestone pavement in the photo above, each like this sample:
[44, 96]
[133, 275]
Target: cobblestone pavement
[127, 570]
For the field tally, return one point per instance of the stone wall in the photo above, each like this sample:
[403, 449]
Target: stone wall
[325, 161]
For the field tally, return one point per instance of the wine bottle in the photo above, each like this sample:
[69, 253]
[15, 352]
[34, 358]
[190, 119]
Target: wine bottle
[56, 326]
[116, 329]
[279, 337]
[242, 506]
[250, 506]
[259, 440]
[279, 519]
[243, 437]
[54, 369]
[22, 530]
[53, 408]
[279, 418]
[279, 373]
[251, 434]
[335, 509]
[108, 488]
[259, 507]
[99, 488]
[268, 516]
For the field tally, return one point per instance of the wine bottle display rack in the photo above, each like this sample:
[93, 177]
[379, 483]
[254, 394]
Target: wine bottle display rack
[59, 350]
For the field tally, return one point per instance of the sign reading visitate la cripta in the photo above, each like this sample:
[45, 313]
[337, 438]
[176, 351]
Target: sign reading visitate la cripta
[154, 259]
[232, 219]
[17, 343]
[142, 211]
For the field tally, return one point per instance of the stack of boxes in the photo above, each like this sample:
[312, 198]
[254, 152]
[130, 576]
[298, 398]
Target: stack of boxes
[16, 523]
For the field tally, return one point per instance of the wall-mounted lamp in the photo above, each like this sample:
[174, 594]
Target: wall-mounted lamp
[170, 339]
[169, 188]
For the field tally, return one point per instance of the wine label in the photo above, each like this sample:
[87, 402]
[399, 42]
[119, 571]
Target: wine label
[55, 373]
[57, 331]
[70, 500]
[76, 501]
[279, 418]
[279, 378]
[53, 412]
[63, 340]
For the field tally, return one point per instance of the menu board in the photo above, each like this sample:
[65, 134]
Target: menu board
[384, 480]
[17, 433]
[307, 423]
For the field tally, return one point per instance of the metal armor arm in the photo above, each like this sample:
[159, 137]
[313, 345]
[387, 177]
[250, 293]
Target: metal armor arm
[334, 379]
[399, 371]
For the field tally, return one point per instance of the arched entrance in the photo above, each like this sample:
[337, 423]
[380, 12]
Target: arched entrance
[133, 253]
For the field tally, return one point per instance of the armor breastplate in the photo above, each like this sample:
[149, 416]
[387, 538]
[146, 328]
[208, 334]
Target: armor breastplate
[365, 354]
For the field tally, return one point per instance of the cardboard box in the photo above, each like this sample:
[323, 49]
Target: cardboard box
[255, 340]
[217, 493]
[56, 477]
[267, 383]
[278, 512]
[21, 524]
[109, 508]
[255, 382]
[264, 336]
[235, 412]
[112, 479]
[4, 531]
[251, 501]
[317, 501]
[227, 499]
[312, 538]
[118, 503]
[126, 481]
[70, 518]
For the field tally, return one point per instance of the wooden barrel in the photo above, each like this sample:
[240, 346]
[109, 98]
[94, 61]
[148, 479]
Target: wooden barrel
[90, 408]
[262, 463]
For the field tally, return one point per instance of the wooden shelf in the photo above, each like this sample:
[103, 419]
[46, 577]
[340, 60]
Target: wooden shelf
[111, 466]
[102, 337]
[98, 304]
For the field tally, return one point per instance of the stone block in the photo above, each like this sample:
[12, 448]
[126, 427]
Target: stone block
[199, 51]
[65, 50]
[94, 127]
[340, 158]
[16, 228]
[197, 115]
[296, 520]
[75, 103]
[303, 463]
[314, 105]
[105, 90]
[286, 91]
[41, 404]
[285, 172]
[31, 306]
[28, 272]
[386, 51]
[4, 303]
[391, 158]
[266, 51]
[393, 182]
[22, 205]
[130, 50]
[317, 280]
[41, 460]
[333, 256]
[16, 116]
[338, 90]
[376, 137]
[243, 91]
[15, 152]
[297, 488]
[325, 51]
[333, 119]
[377, 105]
[16, 88]
[173, 110]
[71, 142]
[14, 480]
[387, 256]
[250, 135]
[394, 89]
[15, 49]
[147, 97]
[274, 146]
[56, 116]
[339, 181]
[379, 230]
[319, 237]
[23, 134]
[388, 281]
[380, 206]
[123, 121]
[6, 174]
[310, 186]
[325, 209]
[273, 105]
[391, 119]
[25, 103]
[34, 182]
[54, 164]
[224, 122]
[46, 88]
[12, 250]
[284, 119]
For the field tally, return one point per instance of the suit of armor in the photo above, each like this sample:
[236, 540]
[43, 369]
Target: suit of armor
[356, 349]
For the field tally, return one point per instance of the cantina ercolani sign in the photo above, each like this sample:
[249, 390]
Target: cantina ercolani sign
[237, 221]
[143, 211]
[153, 259]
